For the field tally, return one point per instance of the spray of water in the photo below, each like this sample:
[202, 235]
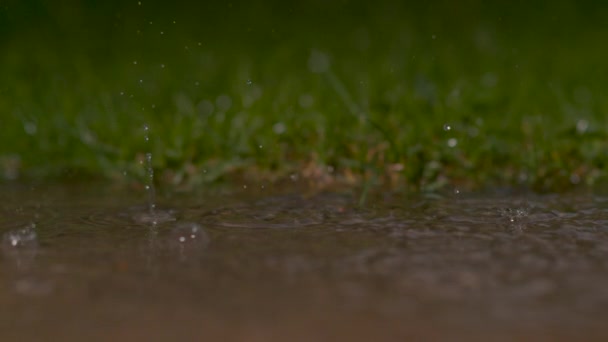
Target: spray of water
[150, 175]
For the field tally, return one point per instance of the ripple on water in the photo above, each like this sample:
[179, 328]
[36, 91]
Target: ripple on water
[282, 212]
[132, 216]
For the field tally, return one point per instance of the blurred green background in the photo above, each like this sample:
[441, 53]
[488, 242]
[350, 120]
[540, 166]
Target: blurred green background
[421, 96]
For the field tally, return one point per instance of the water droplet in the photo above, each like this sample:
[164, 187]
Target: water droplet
[30, 128]
[489, 80]
[134, 62]
[447, 127]
[223, 102]
[318, 62]
[433, 37]
[249, 82]
[575, 179]
[122, 93]
[245, 186]
[199, 44]
[139, 3]
[279, 128]
[306, 100]
[293, 177]
[162, 66]
[162, 32]
[196, 83]
[260, 146]
[188, 239]
[205, 107]
[21, 245]
[452, 142]
[582, 125]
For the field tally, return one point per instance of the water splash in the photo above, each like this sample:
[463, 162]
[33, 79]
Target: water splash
[21, 245]
[152, 215]
[189, 240]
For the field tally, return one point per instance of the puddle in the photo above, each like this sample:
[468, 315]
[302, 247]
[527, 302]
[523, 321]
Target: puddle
[291, 266]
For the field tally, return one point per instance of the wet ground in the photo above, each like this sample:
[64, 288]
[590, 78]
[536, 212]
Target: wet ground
[92, 263]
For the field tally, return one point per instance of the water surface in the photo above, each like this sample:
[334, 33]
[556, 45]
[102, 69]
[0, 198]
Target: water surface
[87, 263]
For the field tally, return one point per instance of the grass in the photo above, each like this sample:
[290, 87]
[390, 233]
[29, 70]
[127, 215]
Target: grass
[422, 97]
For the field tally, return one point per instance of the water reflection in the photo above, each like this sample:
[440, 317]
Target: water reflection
[516, 263]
